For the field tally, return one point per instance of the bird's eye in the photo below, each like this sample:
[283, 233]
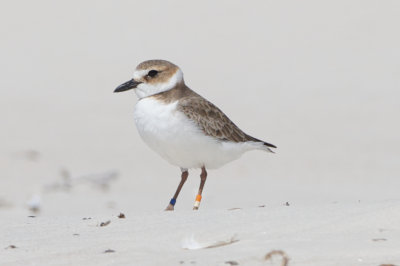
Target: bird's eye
[152, 73]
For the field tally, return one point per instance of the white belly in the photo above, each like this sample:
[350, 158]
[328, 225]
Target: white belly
[178, 139]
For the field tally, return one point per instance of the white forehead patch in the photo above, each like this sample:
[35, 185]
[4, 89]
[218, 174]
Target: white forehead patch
[138, 74]
[147, 89]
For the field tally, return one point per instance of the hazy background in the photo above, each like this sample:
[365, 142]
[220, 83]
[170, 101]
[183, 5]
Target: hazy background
[318, 79]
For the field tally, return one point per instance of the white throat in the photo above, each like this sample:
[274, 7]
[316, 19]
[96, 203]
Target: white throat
[146, 89]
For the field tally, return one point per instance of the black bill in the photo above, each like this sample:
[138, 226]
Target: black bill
[131, 84]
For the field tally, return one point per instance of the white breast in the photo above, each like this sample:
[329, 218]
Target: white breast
[179, 140]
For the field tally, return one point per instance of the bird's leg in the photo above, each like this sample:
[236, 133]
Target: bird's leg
[184, 177]
[203, 177]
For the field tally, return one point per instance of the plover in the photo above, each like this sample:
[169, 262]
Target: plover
[183, 127]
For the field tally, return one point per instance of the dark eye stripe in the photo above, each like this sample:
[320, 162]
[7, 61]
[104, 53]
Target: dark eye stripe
[152, 73]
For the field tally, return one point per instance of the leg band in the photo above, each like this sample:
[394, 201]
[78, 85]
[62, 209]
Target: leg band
[172, 202]
[197, 202]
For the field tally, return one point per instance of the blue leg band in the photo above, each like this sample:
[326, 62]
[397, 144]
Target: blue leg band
[172, 202]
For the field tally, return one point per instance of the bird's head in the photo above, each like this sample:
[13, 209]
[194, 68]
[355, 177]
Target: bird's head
[152, 77]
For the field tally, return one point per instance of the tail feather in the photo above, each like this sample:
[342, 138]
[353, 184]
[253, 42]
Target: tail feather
[265, 146]
[269, 144]
[261, 145]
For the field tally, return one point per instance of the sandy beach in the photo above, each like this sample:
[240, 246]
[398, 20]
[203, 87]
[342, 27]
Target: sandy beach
[320, 80]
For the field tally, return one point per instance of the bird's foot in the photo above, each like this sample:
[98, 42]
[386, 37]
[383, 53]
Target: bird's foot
[170, 207]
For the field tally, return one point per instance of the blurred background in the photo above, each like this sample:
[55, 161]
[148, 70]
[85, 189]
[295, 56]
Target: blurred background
[318, 79]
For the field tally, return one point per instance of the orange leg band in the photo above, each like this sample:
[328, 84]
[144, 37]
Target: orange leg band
[197, 202]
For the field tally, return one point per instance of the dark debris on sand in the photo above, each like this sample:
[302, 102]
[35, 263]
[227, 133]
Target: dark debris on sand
[105, 223]
[109, 251]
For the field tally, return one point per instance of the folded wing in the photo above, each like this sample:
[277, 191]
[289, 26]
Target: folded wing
[213, 121]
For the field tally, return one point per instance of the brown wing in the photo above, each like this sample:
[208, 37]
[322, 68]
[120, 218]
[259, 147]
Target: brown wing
[213, 121]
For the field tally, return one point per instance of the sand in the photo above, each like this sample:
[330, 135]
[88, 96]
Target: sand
[318, 79]
[361, 233]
